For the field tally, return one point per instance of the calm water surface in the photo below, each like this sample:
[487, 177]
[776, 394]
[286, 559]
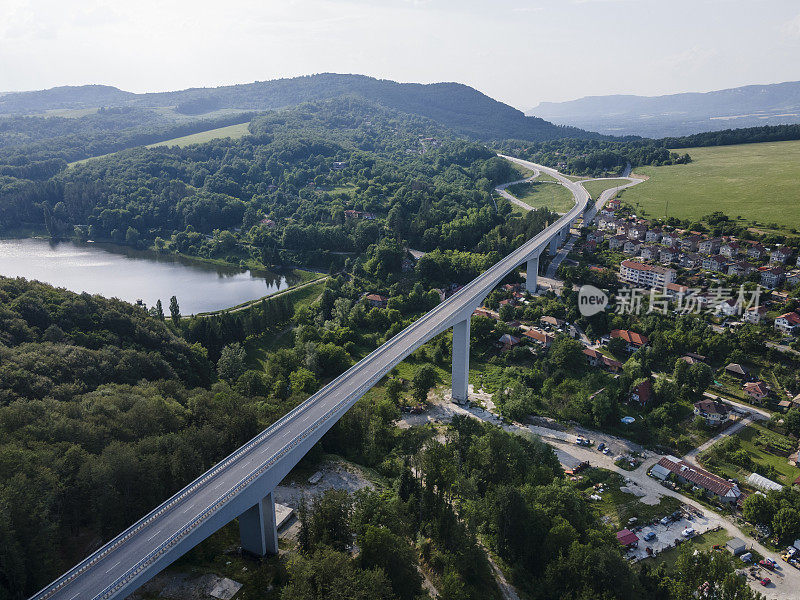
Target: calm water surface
[131, 275]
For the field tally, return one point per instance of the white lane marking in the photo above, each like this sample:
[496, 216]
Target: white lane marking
[154, 535]
[191, 506]
[75, 596]
[110, 568]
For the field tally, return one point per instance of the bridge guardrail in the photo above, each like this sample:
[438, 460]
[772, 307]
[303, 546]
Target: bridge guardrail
[516, 257]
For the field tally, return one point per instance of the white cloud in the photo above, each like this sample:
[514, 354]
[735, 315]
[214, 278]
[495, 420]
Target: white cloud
[792, 27]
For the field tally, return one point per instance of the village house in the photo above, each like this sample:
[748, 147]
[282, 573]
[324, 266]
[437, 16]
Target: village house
[670, 239]
[714, 263]
[637, 232]
[595, 236]
[617, 242]
[757, 390]
[641, 393]
[738, 371]
[552, 322]
[508, 341]
[648, 252]
[731, 249]
[632, 247]
[788, 323]
[715, 413]
[741, 268]
[269, 223]
[598, 359]
[720, 488]
[668, 255]
[653, 235]
[676, 290]
[755, 314]
[633, 340]
[780, 255]
[377, 301]
[773, 277]
[690, 243]
[756, 251]
[710, 246]
[793, 278]
[691, 260]
[650, 276]
[542, 338]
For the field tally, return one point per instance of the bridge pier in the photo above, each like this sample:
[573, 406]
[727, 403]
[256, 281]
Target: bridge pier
[461, 360]
[257, 528]
[554, 243]
[531, 281]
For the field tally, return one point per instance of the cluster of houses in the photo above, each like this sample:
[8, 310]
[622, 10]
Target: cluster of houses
[692, 250]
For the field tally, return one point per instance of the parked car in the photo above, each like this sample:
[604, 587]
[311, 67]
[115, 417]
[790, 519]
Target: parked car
[666, 521]
[601, 446]
[766, 581]
[688, 532]
[746, 557]
[767, 563]
[649, 536]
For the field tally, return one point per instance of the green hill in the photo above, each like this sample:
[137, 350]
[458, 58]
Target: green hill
[453, 105]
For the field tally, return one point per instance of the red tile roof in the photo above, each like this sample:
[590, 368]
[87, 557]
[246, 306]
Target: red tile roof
[792, 317]
[626, 537]
[637, 339]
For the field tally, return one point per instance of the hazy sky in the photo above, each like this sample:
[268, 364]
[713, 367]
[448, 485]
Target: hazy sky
[519, 52]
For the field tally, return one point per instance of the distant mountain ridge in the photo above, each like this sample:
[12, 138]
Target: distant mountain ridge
[679, 114]
[454, 105]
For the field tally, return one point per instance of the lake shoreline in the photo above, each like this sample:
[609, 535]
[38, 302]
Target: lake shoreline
[113, 270]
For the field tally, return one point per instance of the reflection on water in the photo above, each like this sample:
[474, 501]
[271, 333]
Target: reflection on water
[117, 271]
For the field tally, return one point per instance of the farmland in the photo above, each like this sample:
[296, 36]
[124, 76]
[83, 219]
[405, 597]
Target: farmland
[752, 182]
[231, 131]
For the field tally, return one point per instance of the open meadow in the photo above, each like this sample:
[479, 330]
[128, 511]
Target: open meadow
[754, 182]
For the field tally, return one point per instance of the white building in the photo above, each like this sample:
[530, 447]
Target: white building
[643, 275]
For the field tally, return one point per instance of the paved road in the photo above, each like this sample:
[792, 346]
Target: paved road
[217, 490]
[786, 580]
[501, 189]
[560, 256]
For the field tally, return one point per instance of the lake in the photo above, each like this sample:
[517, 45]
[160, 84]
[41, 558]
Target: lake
[127, 274]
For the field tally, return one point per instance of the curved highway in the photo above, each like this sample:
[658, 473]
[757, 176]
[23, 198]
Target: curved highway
[252, 471]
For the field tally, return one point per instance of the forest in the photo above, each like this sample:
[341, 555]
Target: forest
[107, 408]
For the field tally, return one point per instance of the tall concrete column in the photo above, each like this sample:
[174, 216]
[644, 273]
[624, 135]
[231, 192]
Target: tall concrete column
[533, 273]
[554, 244]
[257, 529]
[461, 361]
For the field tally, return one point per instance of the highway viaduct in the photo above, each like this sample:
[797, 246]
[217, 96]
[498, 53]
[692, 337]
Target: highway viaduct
[240, 486]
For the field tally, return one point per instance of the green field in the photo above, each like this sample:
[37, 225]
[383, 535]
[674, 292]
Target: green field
[231, 131]
[762, 459]
[757, 182]
[595, 188]
[543, 195]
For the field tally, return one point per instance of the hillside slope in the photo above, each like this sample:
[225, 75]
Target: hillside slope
[456, 106]
[679, 114]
